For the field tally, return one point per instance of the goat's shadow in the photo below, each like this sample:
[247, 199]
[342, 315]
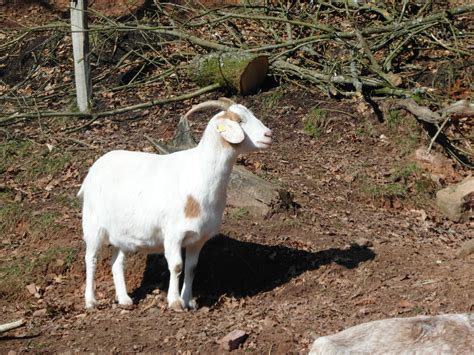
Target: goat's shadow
[240, 269]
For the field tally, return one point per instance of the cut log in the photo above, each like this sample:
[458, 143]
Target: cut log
[236, 71]
[246, 190]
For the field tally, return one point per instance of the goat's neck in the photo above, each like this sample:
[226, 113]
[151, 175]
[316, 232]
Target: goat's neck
[215, 159]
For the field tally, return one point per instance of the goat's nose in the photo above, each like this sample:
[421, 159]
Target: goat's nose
[268, 134]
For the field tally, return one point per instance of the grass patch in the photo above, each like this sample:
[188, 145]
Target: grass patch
[315, 122]
[18, 273]
[271, 99]
[405, 129]
[10, 211]
[29, 161]
[36, 223]
[404, 172]
[406, 182]
[12, 151]
[393, 118]
[44, 222]
[66, 201]
[365, 129]
[240, 213]
[388, 191]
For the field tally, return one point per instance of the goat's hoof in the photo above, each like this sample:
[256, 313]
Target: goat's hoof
[192, 304]
[125, 301]
[176, 306]
[90, 303]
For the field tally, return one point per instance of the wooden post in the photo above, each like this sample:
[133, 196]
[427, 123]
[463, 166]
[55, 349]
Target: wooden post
[80, 47]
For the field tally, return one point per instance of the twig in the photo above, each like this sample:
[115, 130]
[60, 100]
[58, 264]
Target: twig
[94, 116]
[437, 133]
[13, 325]
[183, 97]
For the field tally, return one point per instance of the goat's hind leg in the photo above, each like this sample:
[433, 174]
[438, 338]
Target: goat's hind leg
[93, 244]
[118, 261]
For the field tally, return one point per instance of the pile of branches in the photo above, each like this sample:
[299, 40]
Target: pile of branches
[419, 51]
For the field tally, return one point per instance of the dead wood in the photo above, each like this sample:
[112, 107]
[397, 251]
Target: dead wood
[233, 48]
[239, 72]
[421, 112]
[12, 325]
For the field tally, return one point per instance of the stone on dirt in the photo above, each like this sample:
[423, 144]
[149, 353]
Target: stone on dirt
[466, 249]
[456, 201]
[447, 333]
[233, 340]
[40, 312]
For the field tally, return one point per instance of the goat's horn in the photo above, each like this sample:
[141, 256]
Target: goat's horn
[207, 104]
[227, 100]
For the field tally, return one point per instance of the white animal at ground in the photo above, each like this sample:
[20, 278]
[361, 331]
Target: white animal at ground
[151, 203]
[424, 335]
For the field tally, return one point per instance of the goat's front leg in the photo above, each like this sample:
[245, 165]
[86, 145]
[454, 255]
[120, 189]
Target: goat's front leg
[192, 256]
[175, 266]
[118, 260]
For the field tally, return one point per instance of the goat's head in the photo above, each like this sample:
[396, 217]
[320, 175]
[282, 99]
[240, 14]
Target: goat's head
[237, 125]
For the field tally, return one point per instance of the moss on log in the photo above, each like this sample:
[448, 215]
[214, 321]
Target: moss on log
[236, 71]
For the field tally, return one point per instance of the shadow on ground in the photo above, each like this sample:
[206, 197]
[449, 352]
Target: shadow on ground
[239, 269]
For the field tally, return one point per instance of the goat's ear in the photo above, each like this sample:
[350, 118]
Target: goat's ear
[230, 131]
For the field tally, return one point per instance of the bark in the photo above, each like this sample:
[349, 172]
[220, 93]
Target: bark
[239, 72]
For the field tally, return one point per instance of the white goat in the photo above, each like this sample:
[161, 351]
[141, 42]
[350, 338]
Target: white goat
[146, 202]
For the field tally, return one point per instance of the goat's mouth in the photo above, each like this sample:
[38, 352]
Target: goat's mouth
[264, 144]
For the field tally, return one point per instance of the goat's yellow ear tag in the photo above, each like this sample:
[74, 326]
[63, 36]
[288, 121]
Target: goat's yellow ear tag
[220, 128]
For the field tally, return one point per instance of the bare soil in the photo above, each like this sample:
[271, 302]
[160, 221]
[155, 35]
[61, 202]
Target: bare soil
[363, 241]
[341, 258]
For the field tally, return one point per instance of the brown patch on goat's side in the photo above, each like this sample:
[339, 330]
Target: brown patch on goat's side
[192, 208]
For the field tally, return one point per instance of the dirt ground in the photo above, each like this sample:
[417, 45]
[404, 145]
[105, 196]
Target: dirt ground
[363, 241]
[341, 258]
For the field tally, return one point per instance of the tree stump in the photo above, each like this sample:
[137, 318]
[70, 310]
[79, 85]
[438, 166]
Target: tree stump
[238, 72]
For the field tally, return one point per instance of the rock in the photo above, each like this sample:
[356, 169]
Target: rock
[455, 201]
[32, 289]
[466, 249]
[40, 312]
[363, 242]
[232, 340]
[415, 335]
[437, 165]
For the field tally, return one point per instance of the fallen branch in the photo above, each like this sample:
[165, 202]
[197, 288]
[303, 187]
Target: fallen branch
[13, 325]
[283, 67]
[423, 113]
[94, 116]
